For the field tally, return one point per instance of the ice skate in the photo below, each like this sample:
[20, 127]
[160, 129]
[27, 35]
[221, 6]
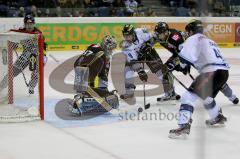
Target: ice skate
[218, 121]
[168, 97]
[182, 132]
[234, 99]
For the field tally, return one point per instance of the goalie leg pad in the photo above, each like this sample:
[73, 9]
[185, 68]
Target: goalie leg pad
[21, 63]
[87, 105]
[113, 101]
[34, 80]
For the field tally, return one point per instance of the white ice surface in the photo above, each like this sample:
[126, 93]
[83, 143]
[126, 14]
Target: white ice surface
[108, 138]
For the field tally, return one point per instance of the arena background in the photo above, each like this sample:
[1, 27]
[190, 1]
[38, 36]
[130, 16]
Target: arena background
[62, 33]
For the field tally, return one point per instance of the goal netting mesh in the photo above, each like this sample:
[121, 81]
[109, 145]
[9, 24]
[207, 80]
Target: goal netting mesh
[21, 77]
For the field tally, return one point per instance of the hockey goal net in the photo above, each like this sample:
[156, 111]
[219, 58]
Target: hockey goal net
[21, 77]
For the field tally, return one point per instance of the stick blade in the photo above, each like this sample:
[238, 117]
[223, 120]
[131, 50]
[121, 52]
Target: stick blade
[147, 106]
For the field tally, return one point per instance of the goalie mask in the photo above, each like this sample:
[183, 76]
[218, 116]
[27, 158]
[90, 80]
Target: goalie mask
[161, 31]
[129, 33]
[29, 22]
[109, 43]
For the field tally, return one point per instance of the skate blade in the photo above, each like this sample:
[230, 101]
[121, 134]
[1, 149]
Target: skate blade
[220, 125]
[169, 102]
[180, 136]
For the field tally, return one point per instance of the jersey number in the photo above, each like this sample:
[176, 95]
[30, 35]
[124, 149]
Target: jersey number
[217, 53]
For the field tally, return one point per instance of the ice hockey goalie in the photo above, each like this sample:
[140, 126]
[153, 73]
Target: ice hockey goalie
[91, 80]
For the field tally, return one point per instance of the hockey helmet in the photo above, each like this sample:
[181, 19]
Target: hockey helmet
[161, 27]
[29, 22]
[109, 43]
[28, 18]
[128, 32]
[161, 31]
[195, 26]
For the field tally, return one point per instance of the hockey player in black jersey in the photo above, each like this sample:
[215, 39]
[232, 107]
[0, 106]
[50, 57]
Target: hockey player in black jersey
[93, 65]
[172, 40]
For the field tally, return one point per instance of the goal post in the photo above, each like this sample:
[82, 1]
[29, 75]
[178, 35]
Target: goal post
[21, 69]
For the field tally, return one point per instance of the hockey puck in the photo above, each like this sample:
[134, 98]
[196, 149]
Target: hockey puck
[140, 109]
[158, 99]
[178, 97]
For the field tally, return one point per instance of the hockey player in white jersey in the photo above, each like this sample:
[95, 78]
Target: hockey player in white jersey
[203, 54]
[172, 40]
[137, 46]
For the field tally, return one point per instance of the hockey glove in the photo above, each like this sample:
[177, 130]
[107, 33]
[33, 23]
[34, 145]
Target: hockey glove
[143, 75]
[173, 63]
[184, 68]
[145, 49]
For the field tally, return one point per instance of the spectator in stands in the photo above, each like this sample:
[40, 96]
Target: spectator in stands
[182, 12]
[73, 4]
[35, 11]
[193, 12]
[88, 3]
[205, 13]
[47, 13]
[77, 13]
[62, 3]
[118, 3]
[58, 12]
[219, 8]
[131, 7]
[3, 8]
[150, 12]
[21, 12]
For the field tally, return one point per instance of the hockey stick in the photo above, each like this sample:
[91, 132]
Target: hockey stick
[99, 99]
[146, 106]
[24, 77]
[178, 81]
[191, 76]
[54, 58]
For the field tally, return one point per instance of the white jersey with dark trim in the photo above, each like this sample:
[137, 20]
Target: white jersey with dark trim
[131, 51]
[203, 54]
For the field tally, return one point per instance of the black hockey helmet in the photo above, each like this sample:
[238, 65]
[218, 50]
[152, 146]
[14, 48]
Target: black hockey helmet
[28, 18]
[128, 29]
[196, 26]
[161, 27]
[129, 33]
